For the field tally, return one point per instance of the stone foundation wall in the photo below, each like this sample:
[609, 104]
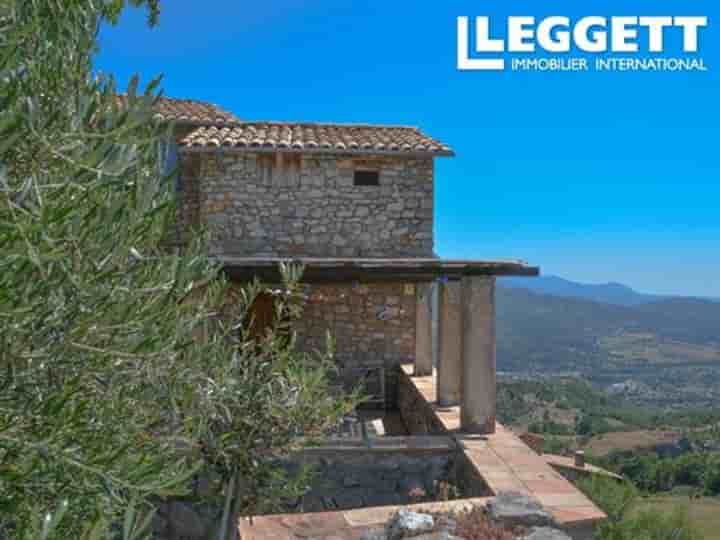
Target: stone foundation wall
[420, 418]
[417, 414]
[468, 479]
[290, 205]
[346, 480]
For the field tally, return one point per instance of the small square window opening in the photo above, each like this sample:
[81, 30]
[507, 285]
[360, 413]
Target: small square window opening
[367, 178]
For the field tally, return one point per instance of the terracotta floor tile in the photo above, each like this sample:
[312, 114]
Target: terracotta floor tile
[264, 528]
[318, 524]
[506, 485]
[550, 486]
[369, 516]
[485, 459]
[577, 514]
[537, 476]
[479, 449]
[499, 474]
[565, 500]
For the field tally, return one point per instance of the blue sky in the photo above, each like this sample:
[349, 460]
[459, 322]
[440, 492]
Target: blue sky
[597, 176]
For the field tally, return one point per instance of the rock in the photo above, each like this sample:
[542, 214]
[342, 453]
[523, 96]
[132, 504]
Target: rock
[407, 524]
[545, 533]
[375, 534]
[437, 535]
[517, 509]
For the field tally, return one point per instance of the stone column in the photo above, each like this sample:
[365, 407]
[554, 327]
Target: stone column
[449, 368]
[423, 331]
[477, 410]
[435, 312]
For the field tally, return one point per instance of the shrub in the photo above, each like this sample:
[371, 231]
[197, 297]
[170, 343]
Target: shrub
[554, 445]
[549, 427]
[119, 380]
[618, 500]
[475, 525]
[653, 474]
[612, 497]
[711, 478]
[652, 525]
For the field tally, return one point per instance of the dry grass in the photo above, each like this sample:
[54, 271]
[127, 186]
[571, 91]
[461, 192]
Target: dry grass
[601, 445]
[704, 513]
[648, 348]
[475, 525]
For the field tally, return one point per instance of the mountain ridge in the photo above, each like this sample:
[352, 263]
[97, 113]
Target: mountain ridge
[609, 293]
[670, 345]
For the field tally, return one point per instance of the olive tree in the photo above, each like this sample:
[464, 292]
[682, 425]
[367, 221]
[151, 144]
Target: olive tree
[126, 367]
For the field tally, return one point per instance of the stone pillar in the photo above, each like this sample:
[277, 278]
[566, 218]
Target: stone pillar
[423, 331]
[435, 311]
[477, 410]
[449, 368]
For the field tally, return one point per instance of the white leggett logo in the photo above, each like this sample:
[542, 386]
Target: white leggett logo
[559, 35]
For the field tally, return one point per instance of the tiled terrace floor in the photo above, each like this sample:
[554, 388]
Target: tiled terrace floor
[508, 464]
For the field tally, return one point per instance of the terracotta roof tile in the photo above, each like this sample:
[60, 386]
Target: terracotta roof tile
[192, 112]
[316, 138]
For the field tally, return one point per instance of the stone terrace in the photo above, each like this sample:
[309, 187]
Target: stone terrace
[498, 462]
[506, 463]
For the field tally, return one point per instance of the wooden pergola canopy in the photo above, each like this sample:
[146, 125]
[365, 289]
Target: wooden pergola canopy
[376, 269]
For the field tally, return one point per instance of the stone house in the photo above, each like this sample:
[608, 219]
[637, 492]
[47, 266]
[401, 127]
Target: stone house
[355, 204]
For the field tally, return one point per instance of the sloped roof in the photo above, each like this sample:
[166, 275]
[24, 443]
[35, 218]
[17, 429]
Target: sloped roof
[191, 112]
[316, 138]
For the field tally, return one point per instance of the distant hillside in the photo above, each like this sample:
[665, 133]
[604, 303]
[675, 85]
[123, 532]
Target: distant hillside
[609, 293]
[652, 350]
[671, 346]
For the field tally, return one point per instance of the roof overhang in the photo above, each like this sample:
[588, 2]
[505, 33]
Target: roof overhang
[376, 269]
[315, 138]
[311, 150]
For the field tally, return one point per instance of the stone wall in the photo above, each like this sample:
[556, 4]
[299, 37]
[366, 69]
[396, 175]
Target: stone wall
[290, 205]
[420, 418]
[344, 479]
[358, 479]
[416, 412]
[372, 323]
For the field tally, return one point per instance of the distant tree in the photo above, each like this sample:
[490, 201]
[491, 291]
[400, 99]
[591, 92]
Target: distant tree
[118, 378]
[536, 427]
[690, 469]
[554, 445]
[711, 477]
[583, 425]
[563, 404]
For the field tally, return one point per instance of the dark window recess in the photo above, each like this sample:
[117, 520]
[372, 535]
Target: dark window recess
[367, 178]
[169, 163]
